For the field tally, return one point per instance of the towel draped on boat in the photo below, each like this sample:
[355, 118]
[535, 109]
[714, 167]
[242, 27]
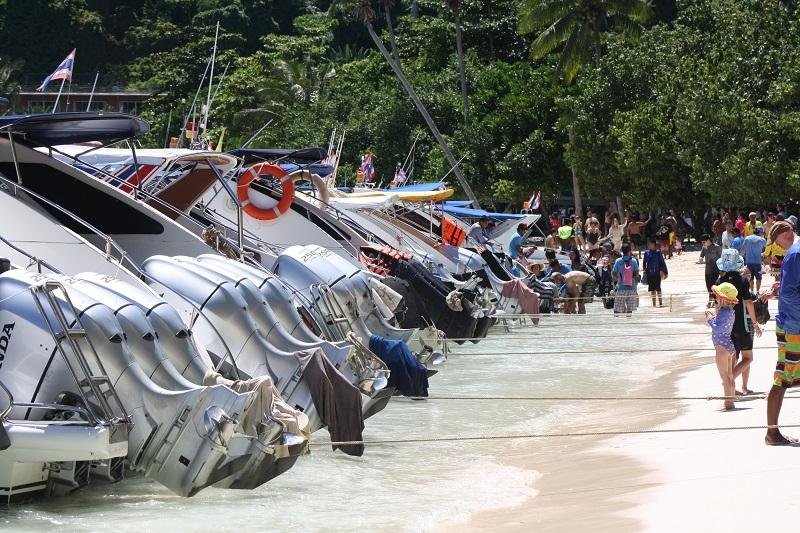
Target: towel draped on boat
[528, 300]
[338, 402]
[408, 375]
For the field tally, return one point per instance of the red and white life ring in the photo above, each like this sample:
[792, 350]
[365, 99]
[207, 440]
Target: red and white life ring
[287, 187]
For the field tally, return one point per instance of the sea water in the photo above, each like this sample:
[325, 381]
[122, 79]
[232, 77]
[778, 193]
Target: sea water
[410, 486]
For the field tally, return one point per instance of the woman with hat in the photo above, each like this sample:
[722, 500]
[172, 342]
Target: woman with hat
[721, 326]
[730, 264]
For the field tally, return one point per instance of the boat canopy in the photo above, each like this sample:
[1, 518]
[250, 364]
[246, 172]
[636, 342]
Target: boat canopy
[257, 155]
[72, 128]
[315, 168]
[422, 196]
[465, 212]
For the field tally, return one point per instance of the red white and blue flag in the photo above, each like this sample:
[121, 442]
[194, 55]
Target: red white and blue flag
[62, 72]
[536, 200]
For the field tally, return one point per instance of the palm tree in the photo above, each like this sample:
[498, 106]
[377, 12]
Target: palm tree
[455, 7]
[304, 80]
[362, 10]
[579, 25]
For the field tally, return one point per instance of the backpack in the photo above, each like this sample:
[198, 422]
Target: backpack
[627, 273]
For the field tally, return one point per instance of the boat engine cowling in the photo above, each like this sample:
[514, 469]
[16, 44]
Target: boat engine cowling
[178, 438]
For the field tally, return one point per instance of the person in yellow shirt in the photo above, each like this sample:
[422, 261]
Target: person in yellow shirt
[773, 256]
[751, 225]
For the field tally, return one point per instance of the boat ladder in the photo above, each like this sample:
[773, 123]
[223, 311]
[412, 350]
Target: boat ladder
[333, 318]
[88, 372]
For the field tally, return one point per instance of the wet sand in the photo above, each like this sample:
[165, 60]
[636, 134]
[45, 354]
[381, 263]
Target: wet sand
[612, 483]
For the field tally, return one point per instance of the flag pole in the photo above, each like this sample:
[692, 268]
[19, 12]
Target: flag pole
[91, 95]
[55, 106]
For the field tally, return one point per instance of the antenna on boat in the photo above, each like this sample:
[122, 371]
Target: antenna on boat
[256, 134]
[91, 95]
[191, 107]
[207, 106]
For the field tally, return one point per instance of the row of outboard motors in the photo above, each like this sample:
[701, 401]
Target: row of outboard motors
[213, 373]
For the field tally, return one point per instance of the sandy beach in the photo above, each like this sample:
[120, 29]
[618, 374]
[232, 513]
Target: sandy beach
[660, 481]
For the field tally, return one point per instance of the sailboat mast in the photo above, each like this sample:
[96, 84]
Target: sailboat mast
[204, 118]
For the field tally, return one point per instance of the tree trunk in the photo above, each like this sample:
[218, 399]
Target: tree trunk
[425, 115]
[414, 9]
[461, 69]
[388, 14]
[576, 186]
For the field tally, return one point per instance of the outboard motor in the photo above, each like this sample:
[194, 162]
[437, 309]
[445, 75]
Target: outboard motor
[259, 437]
[179, 439]
[219, 317]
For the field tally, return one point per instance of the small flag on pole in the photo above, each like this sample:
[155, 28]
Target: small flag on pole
[535, 201]
[62, 72]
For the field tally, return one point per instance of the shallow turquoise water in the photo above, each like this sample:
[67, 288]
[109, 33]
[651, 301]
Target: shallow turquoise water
[406, 487]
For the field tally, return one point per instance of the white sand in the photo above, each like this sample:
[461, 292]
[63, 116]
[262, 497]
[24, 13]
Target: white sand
[692, 481]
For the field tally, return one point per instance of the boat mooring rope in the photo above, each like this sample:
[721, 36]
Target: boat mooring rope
[595, 352]
[609, 433]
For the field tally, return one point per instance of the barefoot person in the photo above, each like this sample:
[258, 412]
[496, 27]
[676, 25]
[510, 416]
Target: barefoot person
[721, 326]
[730, 265]
[579, 288]
[787, 329]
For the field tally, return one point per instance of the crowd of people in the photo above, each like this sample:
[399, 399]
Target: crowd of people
[737, 252]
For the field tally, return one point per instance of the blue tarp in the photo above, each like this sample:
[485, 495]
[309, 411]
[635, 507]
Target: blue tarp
[458, 203]
[314, 168]
[477, 213]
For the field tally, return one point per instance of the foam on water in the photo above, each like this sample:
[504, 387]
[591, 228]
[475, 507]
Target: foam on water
[402, 487]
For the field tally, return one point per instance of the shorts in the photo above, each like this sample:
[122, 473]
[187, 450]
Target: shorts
[711, 279]
[626, 300]
[742, 340]
[636, 239]
[654, 282]
[587, 290]
[755, 270]
[787, 371]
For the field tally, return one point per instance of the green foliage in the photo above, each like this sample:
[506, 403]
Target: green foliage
[704, 106]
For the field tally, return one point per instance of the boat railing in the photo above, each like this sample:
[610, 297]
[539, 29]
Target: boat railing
[32, 259]
[140, 193]
[4, 415]
[121, 259]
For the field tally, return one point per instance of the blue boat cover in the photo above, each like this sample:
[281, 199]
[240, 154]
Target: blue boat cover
[417, 187]
[408, 375]
[458, 203]
[466, 212]
[314, 168]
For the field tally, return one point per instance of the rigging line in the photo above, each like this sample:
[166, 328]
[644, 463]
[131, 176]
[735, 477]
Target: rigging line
[609, 433]
[501, 337]
[596, 352]
[759, 396]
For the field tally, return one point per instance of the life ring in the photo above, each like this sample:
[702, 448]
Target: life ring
[287, 188]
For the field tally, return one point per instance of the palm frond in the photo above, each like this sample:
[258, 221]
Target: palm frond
[626, 25]
[537, 14]
[640, 11]
[557, 33]
[576, 52]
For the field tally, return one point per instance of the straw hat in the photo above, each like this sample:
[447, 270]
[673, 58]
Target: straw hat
[726, 292]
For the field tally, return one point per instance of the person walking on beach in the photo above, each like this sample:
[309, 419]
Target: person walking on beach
[753, 247]
[709, 254]
[721, 326]
[625, 273]
[727, 235]
[656, 269]
[752, 224]
[787, 329]
[730, 264]
[615, 232]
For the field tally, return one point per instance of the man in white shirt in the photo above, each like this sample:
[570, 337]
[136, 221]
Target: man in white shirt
[477, 232]
[727, 235]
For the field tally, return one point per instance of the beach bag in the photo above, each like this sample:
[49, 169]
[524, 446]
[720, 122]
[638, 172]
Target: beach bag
[762, 311]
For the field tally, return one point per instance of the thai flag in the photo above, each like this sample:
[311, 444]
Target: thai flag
[62, 72]
[536, 200]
